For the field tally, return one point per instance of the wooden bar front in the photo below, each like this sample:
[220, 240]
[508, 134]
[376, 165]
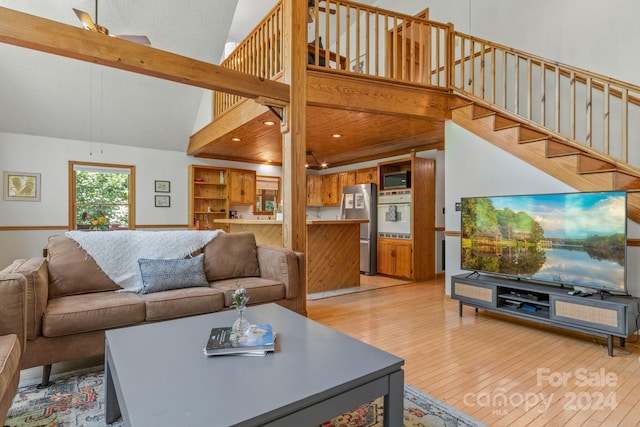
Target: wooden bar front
[332, 253]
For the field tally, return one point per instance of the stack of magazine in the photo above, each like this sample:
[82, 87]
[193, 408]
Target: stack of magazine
[259, 341]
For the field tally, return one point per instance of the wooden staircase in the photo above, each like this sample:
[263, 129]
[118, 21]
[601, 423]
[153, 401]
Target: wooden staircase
[571, 163]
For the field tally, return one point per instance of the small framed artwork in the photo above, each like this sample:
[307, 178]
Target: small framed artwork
[163, 186]
[21, 186]
[163, 201]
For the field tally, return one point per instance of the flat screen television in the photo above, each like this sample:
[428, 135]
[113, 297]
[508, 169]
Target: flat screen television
[568, 239]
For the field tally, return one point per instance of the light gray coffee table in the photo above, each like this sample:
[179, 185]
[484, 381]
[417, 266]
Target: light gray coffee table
[156, 375]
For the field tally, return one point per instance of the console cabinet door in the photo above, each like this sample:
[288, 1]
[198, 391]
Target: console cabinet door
[474, 293]
[589, 312]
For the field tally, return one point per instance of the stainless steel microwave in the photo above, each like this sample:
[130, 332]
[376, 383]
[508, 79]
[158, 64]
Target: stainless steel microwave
[399, 179]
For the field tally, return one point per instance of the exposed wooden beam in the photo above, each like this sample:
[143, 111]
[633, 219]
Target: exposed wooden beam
[33, 32]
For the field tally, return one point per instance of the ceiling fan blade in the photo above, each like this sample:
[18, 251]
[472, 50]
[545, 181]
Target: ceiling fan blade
[136, 39]
[86, 20]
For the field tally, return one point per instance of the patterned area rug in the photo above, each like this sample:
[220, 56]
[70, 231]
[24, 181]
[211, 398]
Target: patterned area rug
[76, 399]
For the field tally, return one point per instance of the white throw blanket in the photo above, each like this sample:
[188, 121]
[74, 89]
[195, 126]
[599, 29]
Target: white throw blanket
[117, 252]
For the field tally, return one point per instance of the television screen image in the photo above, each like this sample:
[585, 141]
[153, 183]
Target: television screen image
[574, 239]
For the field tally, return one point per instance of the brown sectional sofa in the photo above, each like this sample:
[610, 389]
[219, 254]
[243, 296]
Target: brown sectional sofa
[13, 328]
[71, 302]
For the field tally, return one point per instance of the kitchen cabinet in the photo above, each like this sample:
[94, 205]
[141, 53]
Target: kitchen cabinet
[344, 179]
[208, 196]
[395, 258]
[367, 175]
[242, 187]
[322, 190]
[330, 195]
[314, 190]
[420, 260]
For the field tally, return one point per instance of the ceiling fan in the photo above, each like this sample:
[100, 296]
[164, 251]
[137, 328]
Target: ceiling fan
[311, 4]
[88, 24]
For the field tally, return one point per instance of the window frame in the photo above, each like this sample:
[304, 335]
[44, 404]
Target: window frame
[277, 196]
[72, 190]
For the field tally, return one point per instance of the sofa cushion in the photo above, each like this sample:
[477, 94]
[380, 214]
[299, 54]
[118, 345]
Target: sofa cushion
[73, 271]
[166, 274]
[259, 290]
[10, 352]
[35, 272]
[231, 255]
[75, 314]
[182, 303]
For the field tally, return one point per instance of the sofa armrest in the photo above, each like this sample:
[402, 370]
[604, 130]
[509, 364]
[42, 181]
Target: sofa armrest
[281, 264]
[37, 275]
[13, 306]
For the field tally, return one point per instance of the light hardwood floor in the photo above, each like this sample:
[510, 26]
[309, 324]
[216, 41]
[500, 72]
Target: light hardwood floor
[503, 371]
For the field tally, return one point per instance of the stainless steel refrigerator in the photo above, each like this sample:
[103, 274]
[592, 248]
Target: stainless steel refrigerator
[360, 202]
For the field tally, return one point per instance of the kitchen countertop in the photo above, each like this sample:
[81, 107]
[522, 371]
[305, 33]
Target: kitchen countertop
[279, 222]
[248, 221]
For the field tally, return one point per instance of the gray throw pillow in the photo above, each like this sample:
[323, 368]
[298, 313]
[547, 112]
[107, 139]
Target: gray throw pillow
[165, 274]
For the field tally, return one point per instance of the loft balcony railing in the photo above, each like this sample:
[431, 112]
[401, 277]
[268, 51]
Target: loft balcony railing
[577, 106]
[349, 38]
[354, 38]
[260, 54]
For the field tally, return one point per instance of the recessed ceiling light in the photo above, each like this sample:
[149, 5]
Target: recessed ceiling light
[336, 135]
[269, 123]
[236, 139]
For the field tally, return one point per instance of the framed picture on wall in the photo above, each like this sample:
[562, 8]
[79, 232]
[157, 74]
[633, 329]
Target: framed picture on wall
[21, 186]
[163, 186]
[163, 201]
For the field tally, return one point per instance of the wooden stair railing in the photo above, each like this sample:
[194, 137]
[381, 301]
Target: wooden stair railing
[587, 109]
[577, 166]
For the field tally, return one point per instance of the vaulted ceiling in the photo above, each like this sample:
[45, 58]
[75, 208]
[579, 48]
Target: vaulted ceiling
[53, 96]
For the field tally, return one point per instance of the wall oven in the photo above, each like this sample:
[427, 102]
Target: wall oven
[394, 214]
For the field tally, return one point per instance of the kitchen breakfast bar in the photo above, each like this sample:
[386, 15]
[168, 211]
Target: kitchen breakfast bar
[333, 249]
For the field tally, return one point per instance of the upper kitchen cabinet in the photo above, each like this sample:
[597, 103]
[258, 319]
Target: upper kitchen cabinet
[330, 196]
[242, 187]
[367, 175]
[344, 179]
[322, 190]
[314, 190]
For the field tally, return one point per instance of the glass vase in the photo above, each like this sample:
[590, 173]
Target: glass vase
[241, 327]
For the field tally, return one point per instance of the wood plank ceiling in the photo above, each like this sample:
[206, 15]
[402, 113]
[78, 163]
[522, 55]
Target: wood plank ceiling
[365, 136]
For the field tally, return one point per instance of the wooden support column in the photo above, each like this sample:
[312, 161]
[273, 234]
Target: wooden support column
[294, 228]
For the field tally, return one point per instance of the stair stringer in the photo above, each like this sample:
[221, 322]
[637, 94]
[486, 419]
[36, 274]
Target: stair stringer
[568, 163]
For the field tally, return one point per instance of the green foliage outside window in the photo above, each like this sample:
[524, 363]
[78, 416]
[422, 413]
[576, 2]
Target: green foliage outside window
[102, 198]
